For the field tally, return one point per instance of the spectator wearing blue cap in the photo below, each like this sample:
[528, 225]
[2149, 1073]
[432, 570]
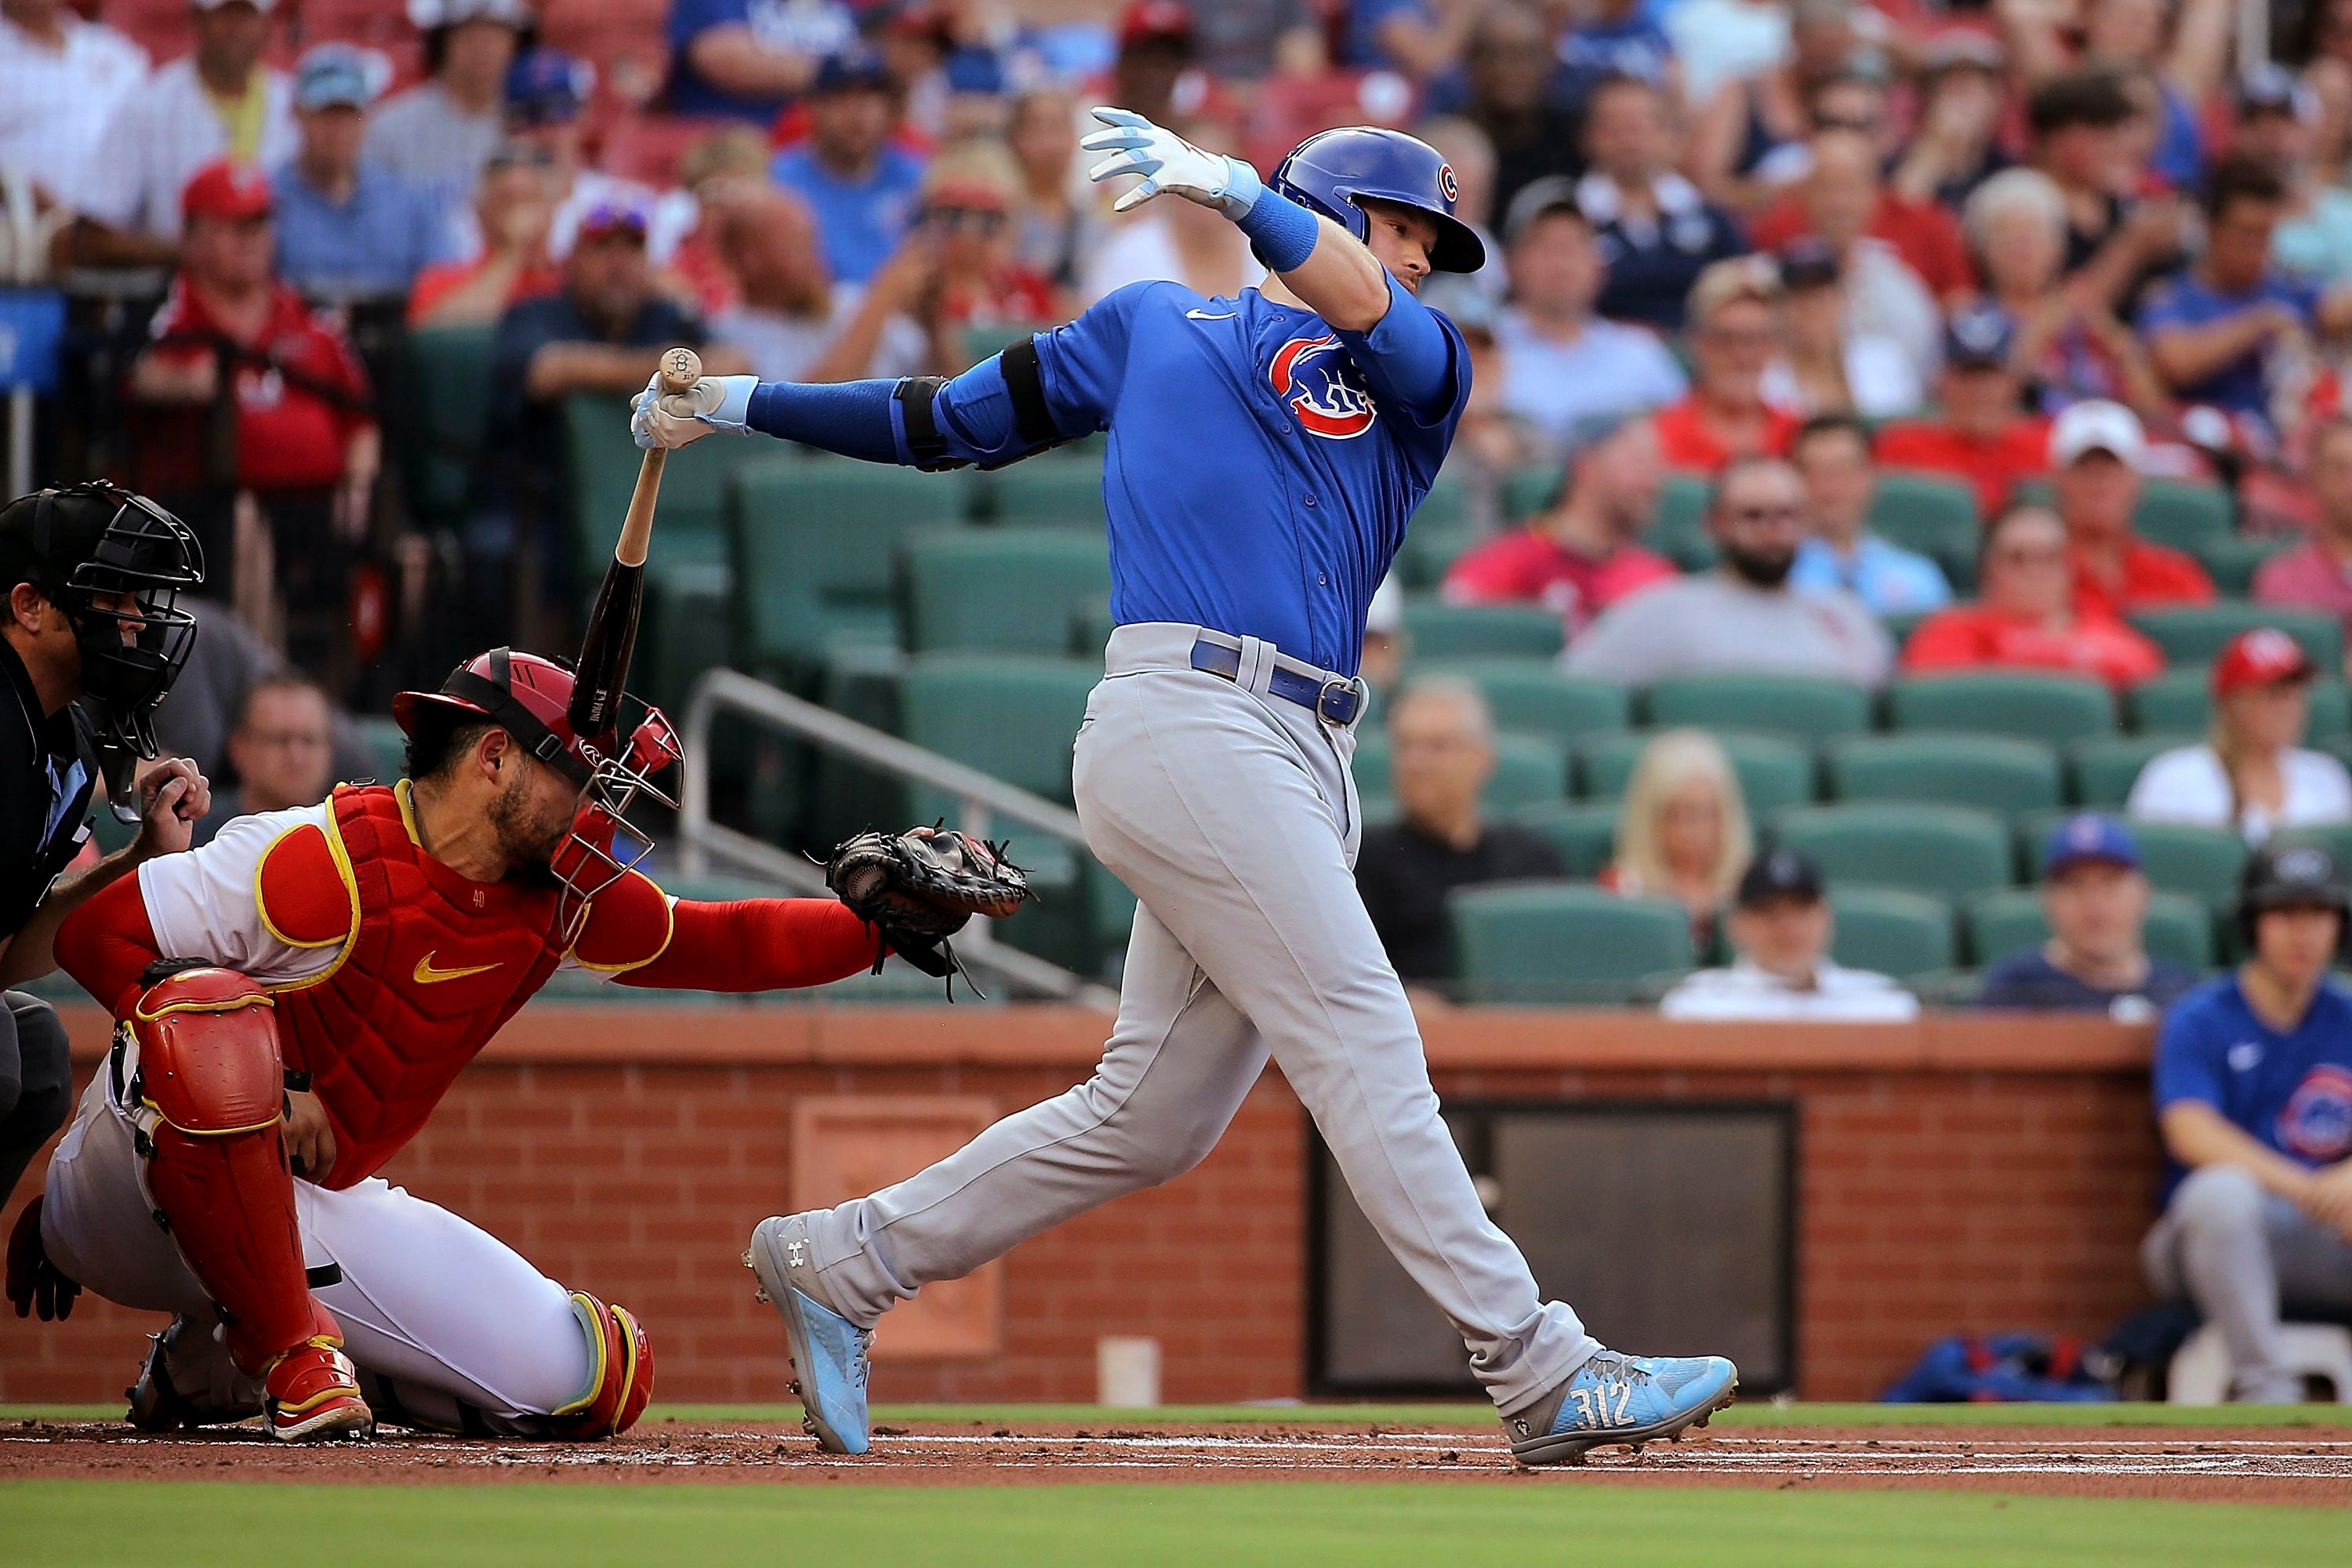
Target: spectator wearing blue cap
[863, 189]
[348, 227]
[439, 134]
[2095, 897]
[747, 58]
[1981, 435]
[547, 94]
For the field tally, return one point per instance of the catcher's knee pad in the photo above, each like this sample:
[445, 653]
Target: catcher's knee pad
[620, 1373]
[207, 1098]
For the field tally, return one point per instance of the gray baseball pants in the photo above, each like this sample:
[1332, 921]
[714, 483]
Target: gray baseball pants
[1232, 816]
[2239, 1254]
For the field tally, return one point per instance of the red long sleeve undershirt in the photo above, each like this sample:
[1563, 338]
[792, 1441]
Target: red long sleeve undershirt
[756, 944]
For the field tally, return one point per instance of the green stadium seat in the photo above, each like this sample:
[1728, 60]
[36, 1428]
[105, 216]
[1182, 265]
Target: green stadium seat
[1950, 850]
[1585, 836]
[687, 629]
[2104, 767]
[2051, 709]
[2010, 920]
[1799, 707]
[1531, 489]
[387, 750]
[604, 465]
[1445, 507]
[1007, 715]
[2336, 838]
[452, 424]
[1995, 771]
[2194, 634]
[1528, 771]
[1536, 698]
[1558, 942]
[1090, 628]
[2202, 862]
[2232, 559]
[1926, 513]
[1891, 932]
[958, 586]
[1773, 771]
[1680, 526]
[1429, 551]
[816, 551]
[2183, 516]
[1437, 630]
[2180, 701]
[1045, 492]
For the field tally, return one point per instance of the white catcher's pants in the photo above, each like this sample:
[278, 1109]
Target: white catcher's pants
[444, 1322]
[1233, 816]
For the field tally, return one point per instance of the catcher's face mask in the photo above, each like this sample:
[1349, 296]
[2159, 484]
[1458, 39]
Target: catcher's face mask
[592, 855]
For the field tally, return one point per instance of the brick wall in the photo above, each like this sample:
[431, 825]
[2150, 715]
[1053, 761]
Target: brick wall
[1964, 1172]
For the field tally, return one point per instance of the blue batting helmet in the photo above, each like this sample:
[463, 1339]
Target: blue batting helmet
[1332, 170]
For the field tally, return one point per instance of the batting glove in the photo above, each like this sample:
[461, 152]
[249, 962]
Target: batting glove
[1168, 163]
[670, 420]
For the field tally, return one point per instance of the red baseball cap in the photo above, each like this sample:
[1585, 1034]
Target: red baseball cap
[226, 190]
[2262, 656]
[1151, 19]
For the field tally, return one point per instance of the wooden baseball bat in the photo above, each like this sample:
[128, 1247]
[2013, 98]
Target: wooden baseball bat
[612, 631]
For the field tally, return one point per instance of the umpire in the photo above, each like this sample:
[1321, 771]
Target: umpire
[91, 637]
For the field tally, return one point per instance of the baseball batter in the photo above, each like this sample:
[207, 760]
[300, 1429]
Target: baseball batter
[1265, 453]
[295, 997]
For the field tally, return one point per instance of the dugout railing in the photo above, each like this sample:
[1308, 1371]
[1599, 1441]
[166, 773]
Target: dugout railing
[984, 807]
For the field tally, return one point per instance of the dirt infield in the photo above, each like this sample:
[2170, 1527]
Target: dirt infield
[2278, 1465]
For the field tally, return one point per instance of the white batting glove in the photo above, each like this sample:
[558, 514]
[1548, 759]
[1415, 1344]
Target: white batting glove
[668, 420]
[1168, 163]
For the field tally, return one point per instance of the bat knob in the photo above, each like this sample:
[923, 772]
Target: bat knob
[680, 369]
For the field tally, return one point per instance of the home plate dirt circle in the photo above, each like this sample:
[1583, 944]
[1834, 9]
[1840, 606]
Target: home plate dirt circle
[2276, 1464]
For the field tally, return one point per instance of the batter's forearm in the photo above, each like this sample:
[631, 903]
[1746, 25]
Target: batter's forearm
[1336, 278]
[972, 417]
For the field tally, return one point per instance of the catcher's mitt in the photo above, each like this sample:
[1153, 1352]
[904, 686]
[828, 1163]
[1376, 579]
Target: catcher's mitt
[918, 888]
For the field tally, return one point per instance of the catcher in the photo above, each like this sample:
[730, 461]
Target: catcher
[295, 997]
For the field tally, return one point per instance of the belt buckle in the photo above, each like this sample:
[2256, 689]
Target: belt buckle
[1327, 707]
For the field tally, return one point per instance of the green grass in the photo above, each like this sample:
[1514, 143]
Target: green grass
[68, 1524]
[1442, 1414]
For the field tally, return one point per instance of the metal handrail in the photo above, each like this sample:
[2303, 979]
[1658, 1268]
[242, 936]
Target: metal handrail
[982, 799]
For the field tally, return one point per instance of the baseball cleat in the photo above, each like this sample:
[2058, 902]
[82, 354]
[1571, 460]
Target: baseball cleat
[314, 1396]
[1614, 1398]
[828, 1351]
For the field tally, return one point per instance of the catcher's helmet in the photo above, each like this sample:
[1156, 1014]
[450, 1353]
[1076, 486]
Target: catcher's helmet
[529, 696]
[2288, 877]
[78, 543]
[1332, 170]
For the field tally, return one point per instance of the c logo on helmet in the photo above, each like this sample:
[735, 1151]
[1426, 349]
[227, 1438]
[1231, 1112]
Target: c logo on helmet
[1315, 377]
[1448, 185]
[2317, 1121]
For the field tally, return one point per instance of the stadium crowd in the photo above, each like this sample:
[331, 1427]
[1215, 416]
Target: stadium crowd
[1761, 271]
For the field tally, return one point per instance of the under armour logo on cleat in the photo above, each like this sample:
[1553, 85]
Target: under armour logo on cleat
[792, 1250]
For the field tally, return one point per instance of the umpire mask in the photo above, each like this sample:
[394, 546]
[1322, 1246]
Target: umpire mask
[81, 543]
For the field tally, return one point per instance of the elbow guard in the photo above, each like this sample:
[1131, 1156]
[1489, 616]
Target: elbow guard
[973, 407]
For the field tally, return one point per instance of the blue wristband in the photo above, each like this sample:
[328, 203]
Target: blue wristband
[1282, 231]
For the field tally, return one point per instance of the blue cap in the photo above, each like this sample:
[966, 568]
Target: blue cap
[1979, 338]
[333, 76]
[855, 66]
[546, 86]
[2088, 836]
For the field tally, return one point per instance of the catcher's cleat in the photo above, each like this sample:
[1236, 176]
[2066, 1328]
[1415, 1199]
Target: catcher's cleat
[1614, 1398]
[313, 1394]
[829, 1352]
[156, 1403]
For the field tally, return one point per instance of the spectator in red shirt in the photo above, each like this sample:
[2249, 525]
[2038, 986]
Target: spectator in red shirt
[2317, 574]
[1926, 238]
[2024, 617]
[1980, 437]
[515, 205]
[307, 448]
[2096, 448]
[1579, 557]
[1736, 334]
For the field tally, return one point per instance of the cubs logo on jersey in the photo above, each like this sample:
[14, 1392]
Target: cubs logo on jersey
[1320, 383]
[2316, 1123]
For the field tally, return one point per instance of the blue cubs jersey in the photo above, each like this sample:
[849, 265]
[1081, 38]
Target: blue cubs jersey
[1261, 465]
[2291, 1091]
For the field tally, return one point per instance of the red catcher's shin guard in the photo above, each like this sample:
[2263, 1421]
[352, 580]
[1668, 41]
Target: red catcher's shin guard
[210, 1096]
[620, 1373]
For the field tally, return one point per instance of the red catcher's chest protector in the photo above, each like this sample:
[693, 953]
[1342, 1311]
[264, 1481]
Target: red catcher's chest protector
[431, 966]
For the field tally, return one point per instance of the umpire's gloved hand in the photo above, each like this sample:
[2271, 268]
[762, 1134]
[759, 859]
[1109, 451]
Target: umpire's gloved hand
[1168, 163]
[674, 419]
[35, 1283]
